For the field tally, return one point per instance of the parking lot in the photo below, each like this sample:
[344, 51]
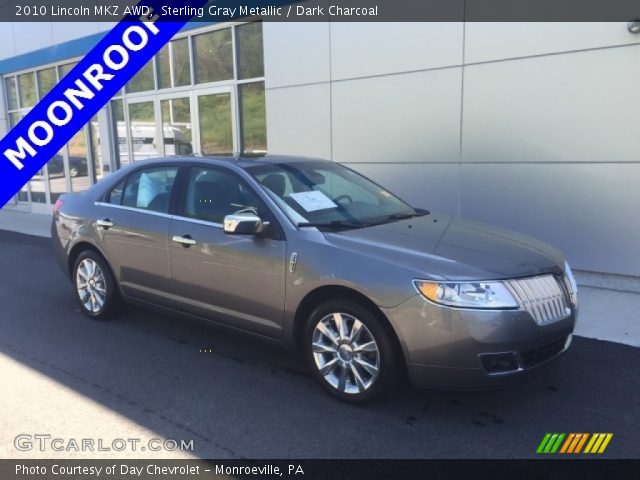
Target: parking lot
[148, 374]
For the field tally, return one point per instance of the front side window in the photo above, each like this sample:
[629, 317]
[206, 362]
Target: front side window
[150, 189]
[328, 194]
[213, 194]
[114, 197]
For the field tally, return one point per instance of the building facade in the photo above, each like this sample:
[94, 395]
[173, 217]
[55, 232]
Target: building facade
[530, 126]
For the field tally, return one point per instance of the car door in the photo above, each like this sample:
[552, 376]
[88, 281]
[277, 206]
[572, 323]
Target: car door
[234, 279]
[134, 222]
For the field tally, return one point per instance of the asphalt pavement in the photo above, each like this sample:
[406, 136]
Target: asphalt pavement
[154, 374]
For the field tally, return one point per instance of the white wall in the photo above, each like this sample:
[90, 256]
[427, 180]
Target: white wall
[535, 127]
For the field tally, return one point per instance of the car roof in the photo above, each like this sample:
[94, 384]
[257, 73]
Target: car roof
[237, 160]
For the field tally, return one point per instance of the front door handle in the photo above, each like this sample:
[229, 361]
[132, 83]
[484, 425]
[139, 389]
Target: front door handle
[185, 240]
[105, 223]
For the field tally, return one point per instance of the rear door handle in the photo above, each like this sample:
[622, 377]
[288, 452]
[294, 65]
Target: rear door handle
[105, 223]
[184, 240]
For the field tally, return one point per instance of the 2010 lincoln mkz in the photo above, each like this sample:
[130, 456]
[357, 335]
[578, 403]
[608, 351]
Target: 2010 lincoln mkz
[313, 255]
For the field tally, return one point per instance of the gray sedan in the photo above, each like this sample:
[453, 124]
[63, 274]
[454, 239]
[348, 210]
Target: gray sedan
[316, 257]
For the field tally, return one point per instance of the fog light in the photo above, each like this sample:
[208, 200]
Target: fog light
[499, 362]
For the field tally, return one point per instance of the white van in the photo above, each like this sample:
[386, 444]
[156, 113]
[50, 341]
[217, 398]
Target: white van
[144, 142]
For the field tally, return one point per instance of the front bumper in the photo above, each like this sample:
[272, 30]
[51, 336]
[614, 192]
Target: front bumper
[455, 348]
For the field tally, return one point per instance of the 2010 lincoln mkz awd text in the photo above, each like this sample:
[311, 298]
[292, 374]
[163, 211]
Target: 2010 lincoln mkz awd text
[313, 255]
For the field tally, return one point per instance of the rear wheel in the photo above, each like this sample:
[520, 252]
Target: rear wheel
[349, 351]
[95, 287]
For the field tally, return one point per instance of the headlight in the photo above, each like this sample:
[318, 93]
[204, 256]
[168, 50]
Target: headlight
[492, 295]
[571, 284]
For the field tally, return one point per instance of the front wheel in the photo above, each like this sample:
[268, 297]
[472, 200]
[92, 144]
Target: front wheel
[95, 287]
[349, 351]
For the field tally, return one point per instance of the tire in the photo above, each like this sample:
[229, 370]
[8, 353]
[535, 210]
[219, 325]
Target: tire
[95, 289]
[74, 172]
[353, 368]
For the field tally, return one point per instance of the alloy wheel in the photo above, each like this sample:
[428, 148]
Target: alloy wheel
[91, 285]
[345, 353]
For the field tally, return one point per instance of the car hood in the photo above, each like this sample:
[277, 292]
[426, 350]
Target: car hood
[452, 248]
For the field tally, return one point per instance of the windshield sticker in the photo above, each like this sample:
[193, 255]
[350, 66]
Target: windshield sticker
[312, 201]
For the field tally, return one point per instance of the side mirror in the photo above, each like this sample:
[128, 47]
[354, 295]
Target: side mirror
[244, 224]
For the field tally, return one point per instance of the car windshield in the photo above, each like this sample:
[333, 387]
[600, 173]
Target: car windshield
[326, 194]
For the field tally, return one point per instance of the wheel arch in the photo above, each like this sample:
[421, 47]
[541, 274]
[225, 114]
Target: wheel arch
[80, 247]
[339, 292]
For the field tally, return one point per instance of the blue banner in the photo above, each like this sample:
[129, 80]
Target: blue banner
[86, 89]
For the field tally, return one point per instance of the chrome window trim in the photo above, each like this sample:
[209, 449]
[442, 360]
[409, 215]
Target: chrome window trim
[197, 221]
[160, 214]
[132, 209]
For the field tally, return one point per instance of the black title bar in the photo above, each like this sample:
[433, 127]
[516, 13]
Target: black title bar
[337, 10]
[577, 468]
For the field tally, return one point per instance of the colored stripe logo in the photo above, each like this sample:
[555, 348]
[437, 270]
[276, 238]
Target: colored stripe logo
[574, 443]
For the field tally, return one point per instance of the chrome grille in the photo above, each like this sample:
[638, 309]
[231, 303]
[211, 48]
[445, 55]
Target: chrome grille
[542, 297]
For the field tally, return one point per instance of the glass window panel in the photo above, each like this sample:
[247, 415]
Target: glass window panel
[101, 166]
[66, 68]
[143, 80]
[250, 53]
[37, 185]
[120, 132]
[214, 194]
[115, 195]
[143, 130]
[181, 62]
[216, 136]
[253, 116]
[164, 67]
[23, 195]
[78, 162]
[176, 126]
[46, 80]
[57, 181]
[14, 118]
[150, 189]
[214, 56]
[27, 89]
[12, 93]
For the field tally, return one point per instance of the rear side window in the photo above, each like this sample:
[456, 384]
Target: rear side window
[150, 189]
